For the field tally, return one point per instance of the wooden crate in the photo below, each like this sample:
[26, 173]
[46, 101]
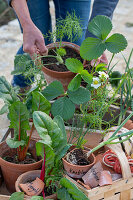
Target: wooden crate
[121, 189]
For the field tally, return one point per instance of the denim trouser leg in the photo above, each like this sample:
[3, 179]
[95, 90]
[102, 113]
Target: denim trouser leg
[40, 15]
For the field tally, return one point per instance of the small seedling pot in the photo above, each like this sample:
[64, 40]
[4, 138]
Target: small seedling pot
[12, 171]
[63, 77]
[29, 177]
[77, 171]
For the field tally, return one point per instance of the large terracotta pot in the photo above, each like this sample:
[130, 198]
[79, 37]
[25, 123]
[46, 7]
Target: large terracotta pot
[77, 171]
[29, 177]
[12, 171]
[63, 77]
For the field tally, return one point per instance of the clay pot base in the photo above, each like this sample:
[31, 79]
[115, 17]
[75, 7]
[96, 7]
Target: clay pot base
[77, 171]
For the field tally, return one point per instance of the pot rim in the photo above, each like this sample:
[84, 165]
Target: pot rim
[4, 162]
[69, 44]
[26, 174]
[81, 166]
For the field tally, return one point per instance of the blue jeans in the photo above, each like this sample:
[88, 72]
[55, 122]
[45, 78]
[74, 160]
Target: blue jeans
[40, 15]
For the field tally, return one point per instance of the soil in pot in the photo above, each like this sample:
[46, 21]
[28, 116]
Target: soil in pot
[30, 176]
[10, 170]
[78, 157]
[11, 157]
[76, 170]
[70, 53]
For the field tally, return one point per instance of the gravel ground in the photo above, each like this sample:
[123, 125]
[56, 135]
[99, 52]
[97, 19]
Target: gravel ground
[11, 40]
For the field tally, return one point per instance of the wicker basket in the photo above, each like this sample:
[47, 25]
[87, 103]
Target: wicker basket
[121, 189]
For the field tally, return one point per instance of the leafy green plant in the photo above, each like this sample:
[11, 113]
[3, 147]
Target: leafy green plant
[19, 115]
[70, 191]
[92, 48]
[20, 196]
[69, 28]
[65, 105]
[52, 146]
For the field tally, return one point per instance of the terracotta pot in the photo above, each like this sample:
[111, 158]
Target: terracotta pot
[77, 171]
[29, 177]
[12, 171]
[63, 77]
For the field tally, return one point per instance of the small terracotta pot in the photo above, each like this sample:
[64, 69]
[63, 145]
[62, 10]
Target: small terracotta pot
[12, 171]
[63, 77]
[77, 171]
[29, 177]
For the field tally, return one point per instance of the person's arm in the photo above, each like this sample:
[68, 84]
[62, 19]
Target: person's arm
[33, 41]
[102, 7]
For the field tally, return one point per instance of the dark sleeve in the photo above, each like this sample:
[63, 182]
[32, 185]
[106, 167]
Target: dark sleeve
[102, 7]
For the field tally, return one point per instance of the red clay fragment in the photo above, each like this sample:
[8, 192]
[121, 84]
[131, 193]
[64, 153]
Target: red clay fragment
[105, 178]
[92, 177]
[34, 188]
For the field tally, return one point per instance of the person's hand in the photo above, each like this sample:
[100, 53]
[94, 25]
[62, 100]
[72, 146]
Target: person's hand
[33, 41]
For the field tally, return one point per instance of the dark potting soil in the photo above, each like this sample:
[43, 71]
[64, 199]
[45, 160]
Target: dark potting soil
[13, 159]
[70, 53]
[11, 156]
[79, 157]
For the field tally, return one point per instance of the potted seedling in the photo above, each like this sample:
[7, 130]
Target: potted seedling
[93, 48]
[54, 63]
[66, 191]
[113, 136]
[17, 155]
[52, 146]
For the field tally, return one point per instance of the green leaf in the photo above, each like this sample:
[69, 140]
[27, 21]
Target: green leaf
[73, 189]
[63, 194]
[116, 43]
[49, 152]
[80, 96]
[4, 109]
[100, 26]
[59, 121]
[115, 78]
[39, 102]
[63, 107]
[61, 51]
[74, 65]
[17, 196]
[19, 116]
[101, 67]
[53, 90]
[21, 63]
[75, 83]
[46, 126]
[37, 198]
[62, 152]
[92, 48]
[88, 78]
[12, 143]
[6, 91]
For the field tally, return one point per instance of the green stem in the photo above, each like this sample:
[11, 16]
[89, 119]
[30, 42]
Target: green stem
[111, 61]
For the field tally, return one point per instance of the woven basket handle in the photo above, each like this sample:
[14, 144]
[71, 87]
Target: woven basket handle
[126, 172]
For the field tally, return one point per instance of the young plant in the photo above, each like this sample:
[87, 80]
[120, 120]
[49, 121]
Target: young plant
[93, 48]
[19, 115]
[65, 105]
[52, 146]
[68, 28]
